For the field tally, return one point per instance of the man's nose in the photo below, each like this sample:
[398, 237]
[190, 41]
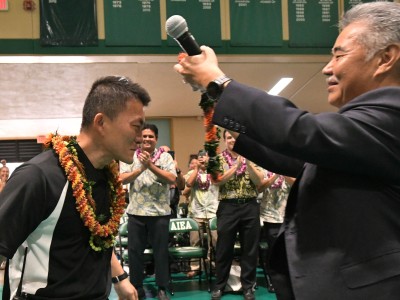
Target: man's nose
[327, 70]
[139, 139]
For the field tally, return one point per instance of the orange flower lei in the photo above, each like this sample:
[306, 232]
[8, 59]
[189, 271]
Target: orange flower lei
[212, 135]
[102, 235]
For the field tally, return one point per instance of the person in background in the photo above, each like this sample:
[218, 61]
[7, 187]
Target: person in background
[340, 237]
[149, 177]
[203, 202]
[60, 211]
[193, 163]
[275, 190]
[238, 212]
[176, 188]
[4, 174]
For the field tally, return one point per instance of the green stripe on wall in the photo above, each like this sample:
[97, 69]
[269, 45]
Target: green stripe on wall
[33, 47]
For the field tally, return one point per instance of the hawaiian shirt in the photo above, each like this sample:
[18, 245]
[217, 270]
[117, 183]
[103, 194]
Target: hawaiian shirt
[147, 195]
[238, 186]
[273, 202]
[203, 204]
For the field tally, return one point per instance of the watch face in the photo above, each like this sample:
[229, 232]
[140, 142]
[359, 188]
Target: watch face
[213, 90]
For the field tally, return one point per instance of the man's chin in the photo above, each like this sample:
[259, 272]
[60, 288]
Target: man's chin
[334, 102]
[127, 160]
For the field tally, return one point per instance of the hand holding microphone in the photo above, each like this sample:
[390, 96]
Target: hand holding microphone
[177, 28]
[199, 70]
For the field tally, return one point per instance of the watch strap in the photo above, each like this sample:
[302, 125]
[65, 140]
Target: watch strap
[119, 278]
[222, 79]
[216, 87]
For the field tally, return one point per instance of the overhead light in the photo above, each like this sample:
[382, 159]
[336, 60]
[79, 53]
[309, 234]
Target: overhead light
[280, 85]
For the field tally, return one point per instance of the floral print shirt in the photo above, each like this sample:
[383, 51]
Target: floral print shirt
[239, 186]
[147, 195]
[273, 202]
[203, 204]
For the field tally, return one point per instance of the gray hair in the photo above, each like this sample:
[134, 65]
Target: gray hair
[382, 21]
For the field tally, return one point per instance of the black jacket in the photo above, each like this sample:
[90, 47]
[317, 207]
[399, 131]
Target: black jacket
[342, 226]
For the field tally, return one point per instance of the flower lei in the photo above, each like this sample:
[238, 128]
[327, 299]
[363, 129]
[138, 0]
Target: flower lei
[229, 159]
[278, 182]
[203, 185]
[156, 155]
[102, 235]
[212, 135]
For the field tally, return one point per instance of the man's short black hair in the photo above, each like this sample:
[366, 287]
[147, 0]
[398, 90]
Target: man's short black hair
[152, 127]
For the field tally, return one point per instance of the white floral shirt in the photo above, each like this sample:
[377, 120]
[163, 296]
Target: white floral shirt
[273, 202]
[202, 203]
[147, 195]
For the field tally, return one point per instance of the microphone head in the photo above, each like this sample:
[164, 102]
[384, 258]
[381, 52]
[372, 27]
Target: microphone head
[176, 26]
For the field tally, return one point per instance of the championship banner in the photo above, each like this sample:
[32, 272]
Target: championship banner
[68, 23]
[3, 5]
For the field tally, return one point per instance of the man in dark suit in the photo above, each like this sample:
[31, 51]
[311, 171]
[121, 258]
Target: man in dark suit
[341, 234]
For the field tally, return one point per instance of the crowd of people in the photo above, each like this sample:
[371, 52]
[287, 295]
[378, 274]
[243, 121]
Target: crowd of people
[330, 187]
[232, 200]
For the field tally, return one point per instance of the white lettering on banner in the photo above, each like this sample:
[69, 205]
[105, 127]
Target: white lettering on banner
[146, 5]
[326, 10]
[181, 225]
[117, 4]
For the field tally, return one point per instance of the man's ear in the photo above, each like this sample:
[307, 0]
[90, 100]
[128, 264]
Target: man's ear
[388, 59]
[98, 121]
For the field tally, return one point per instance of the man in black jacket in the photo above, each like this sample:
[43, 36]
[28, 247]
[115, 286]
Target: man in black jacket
[341, 234]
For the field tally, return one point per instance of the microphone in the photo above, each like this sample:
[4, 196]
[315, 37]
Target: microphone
[177, 28]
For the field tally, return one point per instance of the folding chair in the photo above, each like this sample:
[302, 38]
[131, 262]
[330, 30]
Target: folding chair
[122, 246]
[185, 252]
[212, 225]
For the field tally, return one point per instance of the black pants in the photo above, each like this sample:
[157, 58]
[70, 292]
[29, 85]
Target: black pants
[141, 231]
[234, 218]
[269, 234]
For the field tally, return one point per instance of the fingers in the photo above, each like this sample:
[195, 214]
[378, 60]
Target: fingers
[178, 68]
[135, 295]
[199, 70]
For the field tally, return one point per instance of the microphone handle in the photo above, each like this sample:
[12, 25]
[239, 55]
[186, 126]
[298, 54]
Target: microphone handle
[188, 44]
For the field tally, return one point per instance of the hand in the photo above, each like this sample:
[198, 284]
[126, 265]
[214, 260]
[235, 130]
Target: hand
[145, 158]
[239, 162]
[275, 177]
[199, 70]
[125, 290]
[200, 164]
[2, 184]
[249, 163]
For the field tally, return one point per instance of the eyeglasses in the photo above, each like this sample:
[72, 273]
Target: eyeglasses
[123, 79]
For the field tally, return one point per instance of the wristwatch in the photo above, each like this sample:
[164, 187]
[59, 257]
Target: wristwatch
[215, 87]
[178, 171]
[119, 278]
